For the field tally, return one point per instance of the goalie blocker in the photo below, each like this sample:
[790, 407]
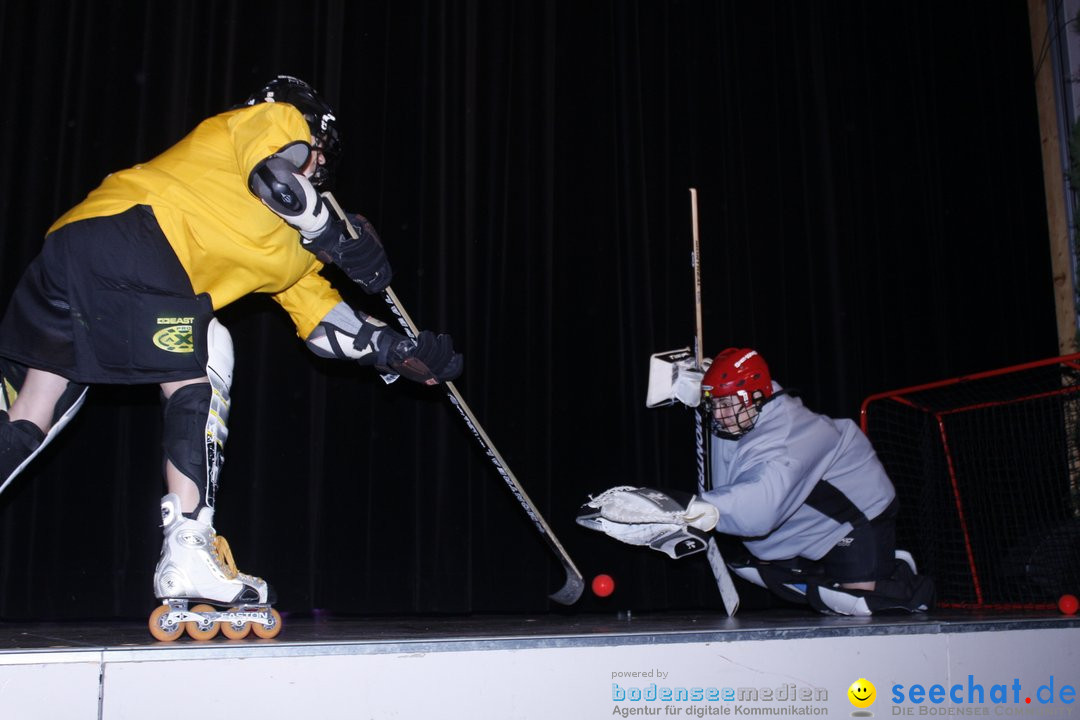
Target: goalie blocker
[674, 376]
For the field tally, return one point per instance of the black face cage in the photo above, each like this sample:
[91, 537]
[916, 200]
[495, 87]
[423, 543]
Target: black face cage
[745, 423]
[329, 144]
[319, 116]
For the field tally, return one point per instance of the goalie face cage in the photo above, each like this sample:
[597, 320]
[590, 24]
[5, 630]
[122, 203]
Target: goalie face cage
[987, 468]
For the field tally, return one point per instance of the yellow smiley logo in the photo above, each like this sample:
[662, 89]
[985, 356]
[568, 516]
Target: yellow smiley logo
[862, 693]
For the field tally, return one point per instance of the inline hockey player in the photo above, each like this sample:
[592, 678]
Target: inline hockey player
[125, 290]
[806, 494]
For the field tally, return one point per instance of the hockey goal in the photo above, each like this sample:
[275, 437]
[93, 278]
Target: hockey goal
[987, 468]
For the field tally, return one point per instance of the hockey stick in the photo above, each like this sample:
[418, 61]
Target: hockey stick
[699, 342]
[575, 584]
[724, 583]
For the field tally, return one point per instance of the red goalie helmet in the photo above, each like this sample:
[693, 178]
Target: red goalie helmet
[735, 387]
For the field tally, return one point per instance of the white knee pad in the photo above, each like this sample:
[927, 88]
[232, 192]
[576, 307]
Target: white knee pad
[219, 368]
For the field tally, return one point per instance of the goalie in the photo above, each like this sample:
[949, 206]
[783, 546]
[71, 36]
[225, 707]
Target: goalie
[805, 493]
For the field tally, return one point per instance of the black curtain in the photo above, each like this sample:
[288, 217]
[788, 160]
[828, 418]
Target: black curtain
[872, 217]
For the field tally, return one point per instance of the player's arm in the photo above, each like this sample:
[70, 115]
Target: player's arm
[347, 334]
[281, 183]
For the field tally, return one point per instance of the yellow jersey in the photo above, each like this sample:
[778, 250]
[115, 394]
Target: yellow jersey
[229, 243]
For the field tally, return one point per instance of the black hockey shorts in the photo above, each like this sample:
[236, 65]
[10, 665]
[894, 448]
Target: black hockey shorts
[107, 301]
[867, 553]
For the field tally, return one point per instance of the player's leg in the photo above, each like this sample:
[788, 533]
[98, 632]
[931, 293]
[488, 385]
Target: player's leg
[34, 407]
[195, 562]
[189, 474]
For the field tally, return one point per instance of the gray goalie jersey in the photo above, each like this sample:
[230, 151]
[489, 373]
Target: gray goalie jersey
[796, 484]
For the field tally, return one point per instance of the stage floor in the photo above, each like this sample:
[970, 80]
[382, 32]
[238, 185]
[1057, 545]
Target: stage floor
[552, 630]
[540, 667]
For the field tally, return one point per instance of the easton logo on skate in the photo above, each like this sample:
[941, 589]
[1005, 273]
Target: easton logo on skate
[178, 337]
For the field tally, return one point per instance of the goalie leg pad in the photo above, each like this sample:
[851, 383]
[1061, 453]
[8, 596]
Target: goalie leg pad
[902, 591]
[787, 579]
[805, 582]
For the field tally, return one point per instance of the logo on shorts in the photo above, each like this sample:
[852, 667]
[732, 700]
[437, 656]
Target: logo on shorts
[178, 337]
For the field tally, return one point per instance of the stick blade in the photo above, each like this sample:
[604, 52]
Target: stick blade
[571, 591]
[724, 583]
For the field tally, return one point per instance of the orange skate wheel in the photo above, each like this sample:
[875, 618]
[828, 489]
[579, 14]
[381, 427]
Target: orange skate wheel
[268, 631]
[202, 630]
[235, 631]
[160, 629]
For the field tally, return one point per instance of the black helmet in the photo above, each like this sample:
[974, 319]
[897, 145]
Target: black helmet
[319, 115]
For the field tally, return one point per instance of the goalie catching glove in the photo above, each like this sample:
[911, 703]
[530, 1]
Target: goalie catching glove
[643, 516]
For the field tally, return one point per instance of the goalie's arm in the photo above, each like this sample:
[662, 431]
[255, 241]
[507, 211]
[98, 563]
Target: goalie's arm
[761, 498]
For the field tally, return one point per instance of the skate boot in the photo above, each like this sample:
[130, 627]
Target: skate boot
[196, 565]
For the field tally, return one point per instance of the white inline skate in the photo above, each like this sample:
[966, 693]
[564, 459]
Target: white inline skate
[196, 566]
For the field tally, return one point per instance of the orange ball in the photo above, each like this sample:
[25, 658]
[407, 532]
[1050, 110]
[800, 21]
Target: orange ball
[603, 585]
[1068, 604]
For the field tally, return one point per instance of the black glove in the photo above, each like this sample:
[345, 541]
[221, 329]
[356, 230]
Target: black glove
[362, 259]
[430, 359]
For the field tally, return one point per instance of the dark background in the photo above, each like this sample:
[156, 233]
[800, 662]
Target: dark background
[872, 217]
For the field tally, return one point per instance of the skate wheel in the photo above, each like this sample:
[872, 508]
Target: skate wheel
[268, 631]
[205, 630]
[161, 628]
[235, 631]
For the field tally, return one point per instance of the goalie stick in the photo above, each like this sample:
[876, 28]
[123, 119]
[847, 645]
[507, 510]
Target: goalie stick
[575, 584]
[699, 342]
[724, 583]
